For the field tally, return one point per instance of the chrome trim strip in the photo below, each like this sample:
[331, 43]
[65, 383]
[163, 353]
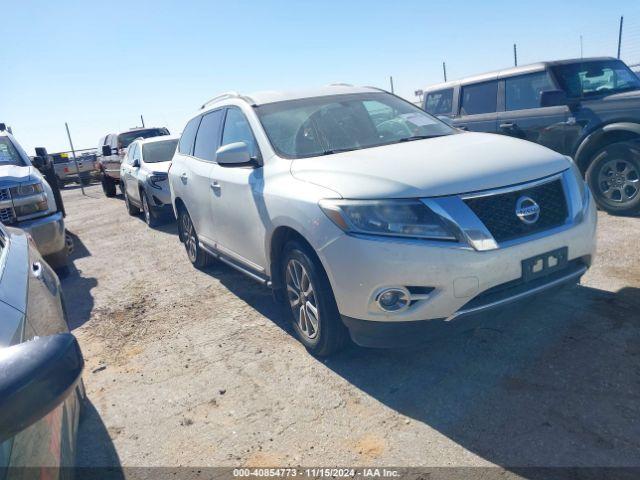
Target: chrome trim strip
[239, 258]
[461, 218]
[512, 188]
[221, 256]
[567, 278]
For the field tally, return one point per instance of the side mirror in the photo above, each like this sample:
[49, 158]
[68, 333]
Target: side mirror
[41, 152]
[35, 378]
[446, 119]
[106, 150]
[39, 162]
[234, 155]
[553, 98]
[136, 163]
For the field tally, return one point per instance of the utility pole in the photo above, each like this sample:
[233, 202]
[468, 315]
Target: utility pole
[391, 82]
[515, 55]
[444, 70]
[75, 160]
[581, 49]
[142, 120]
[620, 36]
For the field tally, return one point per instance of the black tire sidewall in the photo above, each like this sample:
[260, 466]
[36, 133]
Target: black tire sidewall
[202, 258]
[108, 186]
[630, 152]
[331, 330]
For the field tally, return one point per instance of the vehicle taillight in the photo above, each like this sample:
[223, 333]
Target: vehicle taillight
[66, 169]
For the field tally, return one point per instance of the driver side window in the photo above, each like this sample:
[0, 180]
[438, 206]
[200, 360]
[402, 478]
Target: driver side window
[237, 129]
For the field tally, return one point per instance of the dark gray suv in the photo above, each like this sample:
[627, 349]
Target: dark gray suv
[586, 108]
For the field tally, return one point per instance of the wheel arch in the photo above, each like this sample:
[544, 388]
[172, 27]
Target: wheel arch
[605, 135]
[278, 239]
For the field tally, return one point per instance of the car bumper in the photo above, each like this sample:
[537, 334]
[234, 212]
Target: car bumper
[360, 267]
[48, 233]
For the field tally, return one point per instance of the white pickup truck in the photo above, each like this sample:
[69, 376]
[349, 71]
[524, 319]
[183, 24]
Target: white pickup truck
[27, 202]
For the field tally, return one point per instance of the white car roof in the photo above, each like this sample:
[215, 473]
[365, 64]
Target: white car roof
[272, 96]
[161, 138]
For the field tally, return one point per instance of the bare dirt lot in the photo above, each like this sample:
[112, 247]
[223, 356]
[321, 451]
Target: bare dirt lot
[199, 368]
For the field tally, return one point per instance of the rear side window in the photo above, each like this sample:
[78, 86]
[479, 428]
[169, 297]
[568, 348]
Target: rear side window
[440, 102]
[524, 92]
[185, 146]
[208, 136]
[479, 98]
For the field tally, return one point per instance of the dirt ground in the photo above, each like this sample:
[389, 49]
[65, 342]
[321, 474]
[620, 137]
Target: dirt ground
[193, 368]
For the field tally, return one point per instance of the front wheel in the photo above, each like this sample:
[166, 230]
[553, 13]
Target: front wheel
[150, 216]
[313, 308]
[614, 177]
[198, 257]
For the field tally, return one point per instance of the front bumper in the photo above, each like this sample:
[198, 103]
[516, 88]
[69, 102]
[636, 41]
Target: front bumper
[48, 233]
[360, 267]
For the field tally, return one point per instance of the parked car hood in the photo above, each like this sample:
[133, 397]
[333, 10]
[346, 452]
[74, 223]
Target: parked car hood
[433, 167]
[14, 174]
[160, 167]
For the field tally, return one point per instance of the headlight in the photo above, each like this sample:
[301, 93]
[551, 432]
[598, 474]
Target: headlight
[26, 189]
[580, 183]
[25, 207]
[156, 178]
[397, 218]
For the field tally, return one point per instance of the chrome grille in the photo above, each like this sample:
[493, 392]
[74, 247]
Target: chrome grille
[7, 215]
[497, 211]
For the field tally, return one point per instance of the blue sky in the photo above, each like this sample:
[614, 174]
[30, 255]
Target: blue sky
[99, 65]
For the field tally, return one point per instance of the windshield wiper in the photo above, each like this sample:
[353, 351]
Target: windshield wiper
[417, 137]
[338, 150]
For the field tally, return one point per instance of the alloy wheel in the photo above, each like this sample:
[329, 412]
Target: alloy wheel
[190, 240]
[302, 299]
[619, 181]
[145, 207]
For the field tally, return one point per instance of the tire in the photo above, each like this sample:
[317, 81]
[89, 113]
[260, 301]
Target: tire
[306, 282]
[198, 257]
[132, 209]
[108, 186]
[59, 262]
[150, 216]
[614, 177]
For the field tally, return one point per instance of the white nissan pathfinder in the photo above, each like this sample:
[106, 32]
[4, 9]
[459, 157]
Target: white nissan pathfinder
[370, 217]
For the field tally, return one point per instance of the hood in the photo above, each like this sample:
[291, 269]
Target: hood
[10, 174]
[630, 95]
[433, 167]
[160, 167]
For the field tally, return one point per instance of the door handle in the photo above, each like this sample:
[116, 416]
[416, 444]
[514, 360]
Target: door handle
[215, 186]
[184, 177]
[508, 126]
[36, 269]
[463, 127]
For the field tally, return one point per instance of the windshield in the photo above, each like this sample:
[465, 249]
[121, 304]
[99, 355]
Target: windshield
[9, 154]
[588, 79]
[316, 126]
[159, 151]
[125, 139]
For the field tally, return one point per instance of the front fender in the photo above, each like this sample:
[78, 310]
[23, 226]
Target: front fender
[591, 141]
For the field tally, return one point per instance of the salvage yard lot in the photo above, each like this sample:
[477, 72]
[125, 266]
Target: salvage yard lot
[199, 368]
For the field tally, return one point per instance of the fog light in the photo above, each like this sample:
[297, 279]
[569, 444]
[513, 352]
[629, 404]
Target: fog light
[393, 299]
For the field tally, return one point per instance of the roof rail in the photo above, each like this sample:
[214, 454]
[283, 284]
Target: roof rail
[340, 84]
[224, 96]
